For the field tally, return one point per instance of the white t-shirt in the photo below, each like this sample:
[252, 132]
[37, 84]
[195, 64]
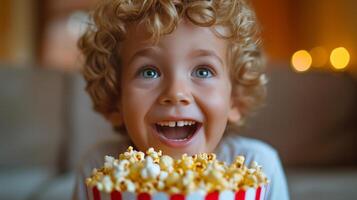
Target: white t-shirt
[229, 147]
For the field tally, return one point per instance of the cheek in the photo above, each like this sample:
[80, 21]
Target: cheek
[134, 108]
[214, 101]
[215, 97]
[136, 101]
[134, 111]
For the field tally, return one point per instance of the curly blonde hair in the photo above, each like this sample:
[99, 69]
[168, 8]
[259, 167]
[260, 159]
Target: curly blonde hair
[102, 39]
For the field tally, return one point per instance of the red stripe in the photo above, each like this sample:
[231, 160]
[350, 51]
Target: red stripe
[240, 195]
[212, 196]
[257, 195]
[115, 195]
[144, 196]
[177, 197]
[96, 193]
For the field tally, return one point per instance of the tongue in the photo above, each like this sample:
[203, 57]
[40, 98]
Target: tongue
[176, 133]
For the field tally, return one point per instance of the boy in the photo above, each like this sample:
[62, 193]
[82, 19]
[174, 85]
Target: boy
[174, 75]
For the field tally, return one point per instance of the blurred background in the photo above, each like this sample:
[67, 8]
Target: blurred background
[310, 117]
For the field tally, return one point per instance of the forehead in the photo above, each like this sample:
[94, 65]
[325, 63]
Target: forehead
[185, 38]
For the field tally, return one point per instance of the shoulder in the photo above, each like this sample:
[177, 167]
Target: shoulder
[233, 145]
[94, 156]
[261, 152]
[111, 146]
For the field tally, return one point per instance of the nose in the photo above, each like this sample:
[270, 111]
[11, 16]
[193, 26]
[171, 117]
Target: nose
[176, 94]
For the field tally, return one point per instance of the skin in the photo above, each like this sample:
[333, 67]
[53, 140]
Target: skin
[176, 88]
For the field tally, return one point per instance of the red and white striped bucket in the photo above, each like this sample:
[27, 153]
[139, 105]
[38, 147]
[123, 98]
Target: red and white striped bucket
[259, 193]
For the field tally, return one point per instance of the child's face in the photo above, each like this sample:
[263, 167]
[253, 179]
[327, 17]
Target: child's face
[183, 78]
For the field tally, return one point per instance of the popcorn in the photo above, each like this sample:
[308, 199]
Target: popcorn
[186, 162]
[125, 185]
[239, 161]
[188, 178]
[107, 183]
[108, 161]
[166, 163]
[254, 165]
[160, 185]
[134, 170]
[174, 190]
[148, 187]
[154, 155]
[152, 172]
[139, 156]
[173, 179]
[163, 175]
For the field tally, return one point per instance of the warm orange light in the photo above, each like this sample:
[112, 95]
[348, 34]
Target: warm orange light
[319, 56]
[339, 58]
[301, 61]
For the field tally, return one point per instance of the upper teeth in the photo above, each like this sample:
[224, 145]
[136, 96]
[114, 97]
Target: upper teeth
[176, 123]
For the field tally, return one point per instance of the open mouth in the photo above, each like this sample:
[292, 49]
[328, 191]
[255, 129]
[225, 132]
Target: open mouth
[177, 130]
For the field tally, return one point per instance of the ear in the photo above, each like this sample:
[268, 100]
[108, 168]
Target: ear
[115, 118]
[234, 114]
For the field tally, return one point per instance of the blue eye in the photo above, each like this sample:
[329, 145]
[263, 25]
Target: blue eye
[149, 73]
[202, 72]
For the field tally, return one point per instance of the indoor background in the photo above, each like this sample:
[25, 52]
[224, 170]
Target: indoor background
[310, 116]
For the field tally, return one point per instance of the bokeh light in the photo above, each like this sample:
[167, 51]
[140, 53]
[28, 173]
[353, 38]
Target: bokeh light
[319, 56]
[301, 61]
[339, 58]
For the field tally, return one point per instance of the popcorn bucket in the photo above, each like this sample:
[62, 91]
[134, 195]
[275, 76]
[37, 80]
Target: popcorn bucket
[259, 193]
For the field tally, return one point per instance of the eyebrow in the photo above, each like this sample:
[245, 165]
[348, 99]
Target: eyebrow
[204, 52]
[144, 52]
